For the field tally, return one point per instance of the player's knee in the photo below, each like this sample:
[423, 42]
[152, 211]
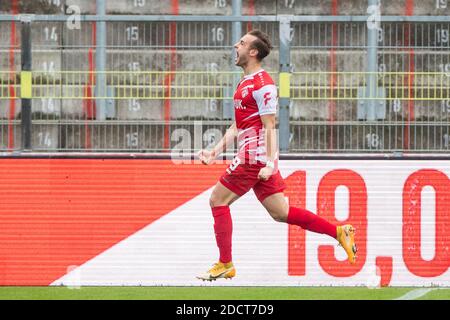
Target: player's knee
[215, 201]
[279, 216]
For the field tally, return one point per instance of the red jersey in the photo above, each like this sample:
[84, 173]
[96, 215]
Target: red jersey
[256, 95]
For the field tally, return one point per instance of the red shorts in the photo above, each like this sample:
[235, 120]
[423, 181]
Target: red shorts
[245, 177]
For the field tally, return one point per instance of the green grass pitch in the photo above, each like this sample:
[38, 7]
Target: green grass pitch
[214, 293]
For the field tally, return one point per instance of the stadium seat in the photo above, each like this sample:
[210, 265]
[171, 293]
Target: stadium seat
[45, 136]
[111, 137]
[86, 6]
[139, 109]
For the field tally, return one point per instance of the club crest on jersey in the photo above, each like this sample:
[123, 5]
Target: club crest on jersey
[244, 92]
[238, 104]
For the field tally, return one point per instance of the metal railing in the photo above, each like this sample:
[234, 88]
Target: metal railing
[167, 79]
[138, 96]
[199, 85]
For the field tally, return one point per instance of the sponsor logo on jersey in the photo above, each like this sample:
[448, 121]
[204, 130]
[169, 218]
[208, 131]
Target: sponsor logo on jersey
[238, 104]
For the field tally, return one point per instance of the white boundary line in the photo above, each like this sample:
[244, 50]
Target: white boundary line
[415, 294]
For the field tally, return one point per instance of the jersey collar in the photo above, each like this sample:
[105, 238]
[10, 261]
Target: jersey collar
[253, 74]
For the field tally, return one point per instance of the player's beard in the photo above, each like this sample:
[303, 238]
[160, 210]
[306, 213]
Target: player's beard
[241, 61]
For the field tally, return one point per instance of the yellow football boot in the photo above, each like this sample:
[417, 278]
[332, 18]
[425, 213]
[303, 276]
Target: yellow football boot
[346, 238]
[219, 270]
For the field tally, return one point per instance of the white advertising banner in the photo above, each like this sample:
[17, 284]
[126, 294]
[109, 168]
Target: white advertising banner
[400, 209]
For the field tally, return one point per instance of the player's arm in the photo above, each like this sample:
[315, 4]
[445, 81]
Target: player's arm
[270, 140]
[267, 101]
[207, 156]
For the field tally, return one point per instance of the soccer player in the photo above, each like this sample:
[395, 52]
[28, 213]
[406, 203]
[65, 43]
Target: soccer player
[255, 165]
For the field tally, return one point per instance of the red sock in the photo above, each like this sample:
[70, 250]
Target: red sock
[223, 228]
[310, 221]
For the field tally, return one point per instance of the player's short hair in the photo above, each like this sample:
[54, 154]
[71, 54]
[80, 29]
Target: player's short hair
[262, 43]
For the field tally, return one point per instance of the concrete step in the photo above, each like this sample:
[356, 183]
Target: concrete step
[85, 6]
[395, 110]
[36, 7]
[374, 138]
[216, 34]
[223, 7]
[139, 137]
[214, 109]
[5, 35]
[147, 102]
[51, 61]
[126, 136]
[10, 136]
[187, 7]
[44, 136]
[135, 109]
[109, 137]
[9, 105]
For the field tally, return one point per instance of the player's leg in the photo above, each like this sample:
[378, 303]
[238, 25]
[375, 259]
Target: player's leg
[220, 201]
[270, 194]
[277, 206]
[222, 196]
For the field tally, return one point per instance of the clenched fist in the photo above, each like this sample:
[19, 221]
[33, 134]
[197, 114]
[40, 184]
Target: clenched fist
[206, 156]
[265, 173]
